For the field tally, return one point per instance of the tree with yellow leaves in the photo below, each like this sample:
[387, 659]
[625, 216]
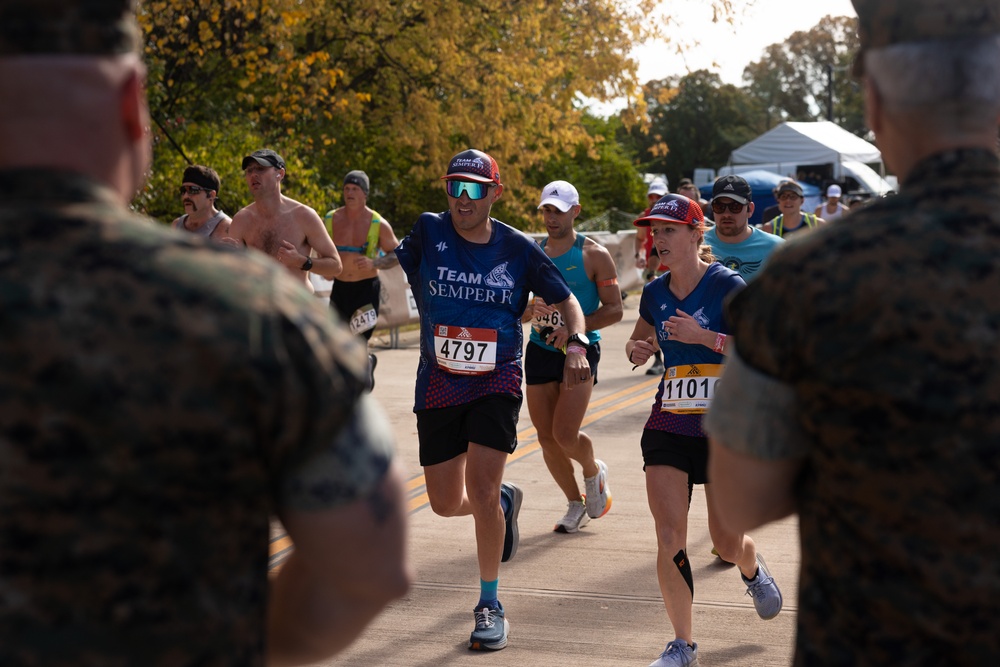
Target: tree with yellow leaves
[391, 87]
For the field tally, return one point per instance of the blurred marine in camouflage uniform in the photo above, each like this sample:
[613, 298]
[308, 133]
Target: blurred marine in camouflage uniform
[161, 397]
[865, 391]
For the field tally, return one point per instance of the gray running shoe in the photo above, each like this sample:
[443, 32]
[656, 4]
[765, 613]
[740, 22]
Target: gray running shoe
[575, 519]
[677, 654]
[656, 369]
[763, 589]
[598, 494]
[491, 629]
[511, 538]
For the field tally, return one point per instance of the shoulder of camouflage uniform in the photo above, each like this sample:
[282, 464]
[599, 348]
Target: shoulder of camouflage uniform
[68, 27]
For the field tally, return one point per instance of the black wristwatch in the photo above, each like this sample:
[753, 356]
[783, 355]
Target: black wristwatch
[308, 265]
[578, 338]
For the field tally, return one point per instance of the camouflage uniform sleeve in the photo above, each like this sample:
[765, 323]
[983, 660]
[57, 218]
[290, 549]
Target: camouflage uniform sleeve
[323, 445]
[755, 410]
[352, 463]
[752, 413]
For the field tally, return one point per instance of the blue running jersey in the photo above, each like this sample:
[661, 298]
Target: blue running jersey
[748, 256]
[470, 297]
[705, 305]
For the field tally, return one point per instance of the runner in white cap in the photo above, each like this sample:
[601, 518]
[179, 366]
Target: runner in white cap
[832, 209]
[556, 409]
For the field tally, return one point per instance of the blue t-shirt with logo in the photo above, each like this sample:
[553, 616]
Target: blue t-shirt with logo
[470, 297]
[704, 304]
[748, 256]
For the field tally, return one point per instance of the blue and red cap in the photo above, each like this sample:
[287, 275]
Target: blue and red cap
[473, 165]
[673, 208]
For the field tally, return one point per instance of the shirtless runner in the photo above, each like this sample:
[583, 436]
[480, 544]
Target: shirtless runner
[281, 227]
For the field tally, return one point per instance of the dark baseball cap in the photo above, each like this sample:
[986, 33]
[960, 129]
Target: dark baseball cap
[68, 27]
[673, 208]
[265, 157]
[734, 187]
[473, 165]
[883, 23]
[788, 186]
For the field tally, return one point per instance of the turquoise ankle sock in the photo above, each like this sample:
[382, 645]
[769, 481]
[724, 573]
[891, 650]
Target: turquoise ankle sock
[488, 593]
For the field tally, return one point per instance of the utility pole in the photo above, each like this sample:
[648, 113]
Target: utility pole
[829, 92]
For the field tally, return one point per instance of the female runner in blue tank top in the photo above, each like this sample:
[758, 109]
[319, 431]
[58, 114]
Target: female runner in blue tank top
[681, 313]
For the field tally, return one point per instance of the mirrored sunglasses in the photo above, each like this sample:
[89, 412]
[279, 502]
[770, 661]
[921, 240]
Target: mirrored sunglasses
[473, 189]
[191, 190]
[734, 207]
[788, 195]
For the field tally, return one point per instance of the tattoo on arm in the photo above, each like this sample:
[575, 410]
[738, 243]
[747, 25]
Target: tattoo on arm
[387, 261]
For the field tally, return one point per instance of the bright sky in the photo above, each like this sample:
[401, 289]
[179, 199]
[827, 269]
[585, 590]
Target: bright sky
[726, 49]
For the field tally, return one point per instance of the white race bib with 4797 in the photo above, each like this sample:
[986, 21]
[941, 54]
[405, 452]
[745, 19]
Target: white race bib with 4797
[465, 350]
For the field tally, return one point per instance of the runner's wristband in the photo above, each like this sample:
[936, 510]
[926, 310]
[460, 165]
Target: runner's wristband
[576, 349]
[720, 343]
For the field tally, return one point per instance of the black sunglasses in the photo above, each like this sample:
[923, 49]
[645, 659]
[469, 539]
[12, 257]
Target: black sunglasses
[734, 207]
[191, 190]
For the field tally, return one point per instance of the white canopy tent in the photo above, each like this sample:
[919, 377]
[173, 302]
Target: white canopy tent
[786, 147]
[821, 142]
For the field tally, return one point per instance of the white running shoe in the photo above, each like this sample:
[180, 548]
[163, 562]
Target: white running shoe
[598, 495]
[575, 519]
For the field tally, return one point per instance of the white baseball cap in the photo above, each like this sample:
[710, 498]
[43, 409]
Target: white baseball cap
[833, 191]
[657, 187]
[560, 194]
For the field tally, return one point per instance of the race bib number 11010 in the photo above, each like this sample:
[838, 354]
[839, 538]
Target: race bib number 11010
[465, 350]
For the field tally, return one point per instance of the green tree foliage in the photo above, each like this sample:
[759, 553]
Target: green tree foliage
[789, 82]
[694, 121]
[602, 169]
[391, 87]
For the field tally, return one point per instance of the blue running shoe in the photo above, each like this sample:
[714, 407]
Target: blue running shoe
[677, 654]
[765, 593]
[511, 537]
[491, 629]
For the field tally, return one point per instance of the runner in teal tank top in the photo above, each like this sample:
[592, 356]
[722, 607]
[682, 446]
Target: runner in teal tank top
[557, 411]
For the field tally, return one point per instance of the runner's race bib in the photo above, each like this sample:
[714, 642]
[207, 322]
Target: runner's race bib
[553, 321]
[689, 390]
[465, 350]
[363, 319]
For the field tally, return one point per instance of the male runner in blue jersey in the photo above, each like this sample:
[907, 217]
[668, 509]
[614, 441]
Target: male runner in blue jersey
[471, 275]
[557, 411]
